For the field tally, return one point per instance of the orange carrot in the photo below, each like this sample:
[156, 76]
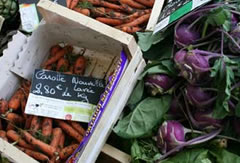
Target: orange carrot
[67, 151]
[107, 12]
[14, 118]
[48, 67]
[35, 124]
[59, 148]
[126, 8]
[14, 136]
[61, 141]
[137, 14]
[62, 65]
[68, 2]
[3, 106]
[57, 132]
[83, 11]
[9, 127]
[105, 4]
[15, 101]
[23, 105]
[28, 121]
[54, 49]
[69, 130]
[133, 4]
[74, 4]
[110, 21]
[78, 127]
[136, 22]
[3, 135]
[148, 3]
[59, 54]
[79, 66]
[37, 155]
[49, 150]
[47, 127]
[130, 29]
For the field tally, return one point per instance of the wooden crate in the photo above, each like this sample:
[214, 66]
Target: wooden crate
[102, 41]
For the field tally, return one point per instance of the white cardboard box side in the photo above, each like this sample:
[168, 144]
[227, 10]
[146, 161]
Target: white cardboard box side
[9, 81]
[101, 35]
[113, 109]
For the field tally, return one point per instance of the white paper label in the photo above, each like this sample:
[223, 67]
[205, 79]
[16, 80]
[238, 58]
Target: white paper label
[29, 17]
[59, 109]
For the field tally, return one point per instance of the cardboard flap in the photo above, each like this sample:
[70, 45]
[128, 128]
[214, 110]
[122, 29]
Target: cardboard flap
[9, 81]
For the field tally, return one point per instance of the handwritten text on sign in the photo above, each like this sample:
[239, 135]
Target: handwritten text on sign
[67, 87]
[57, 95]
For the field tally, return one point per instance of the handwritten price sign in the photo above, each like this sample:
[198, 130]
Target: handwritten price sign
[57, 95]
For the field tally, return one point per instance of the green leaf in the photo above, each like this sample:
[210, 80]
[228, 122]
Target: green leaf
[147, 39]
[136, 95]
[144, 150]
[161, 50]
[198, 155]
[147, 114]
[237, 109]
[223, 156]
[164, 67]
[223, 79]
[220, 17]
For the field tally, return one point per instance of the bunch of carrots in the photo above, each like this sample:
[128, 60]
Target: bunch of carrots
[127, 15]
[62, 60]
[45, 139]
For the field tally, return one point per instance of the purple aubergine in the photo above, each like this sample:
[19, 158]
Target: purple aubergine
[192, 65]
[170, 135]
[158, 83]
[205, 120]
[185, 36]
[198, 97]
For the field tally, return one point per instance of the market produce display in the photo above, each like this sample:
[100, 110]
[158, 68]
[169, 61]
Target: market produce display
[127, 15]
[44, 139]
[186, 105]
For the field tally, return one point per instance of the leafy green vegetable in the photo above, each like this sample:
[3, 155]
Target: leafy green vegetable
[223, 79]
[198, 155]
[145, 150]
[147, 39]
[165, 67]
[147, 114]
[161, 50]
[224, 156]
[219, 16]
[136, 95]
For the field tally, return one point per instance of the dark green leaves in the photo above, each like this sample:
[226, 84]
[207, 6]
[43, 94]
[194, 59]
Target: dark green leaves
[199, 155]
[223, 156]
[147, 114]
[144, 150]
[220, 17]
[223, 79]
[164, 67]
[136, 95]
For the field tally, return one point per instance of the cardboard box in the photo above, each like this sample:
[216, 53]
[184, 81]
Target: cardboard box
[104, 46]
[156, 10]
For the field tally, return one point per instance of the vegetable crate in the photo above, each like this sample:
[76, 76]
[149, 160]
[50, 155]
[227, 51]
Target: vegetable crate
[103, 46]
[126, 15]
